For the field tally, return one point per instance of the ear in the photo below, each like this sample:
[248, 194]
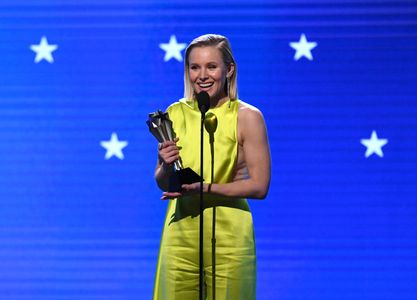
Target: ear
[231, 70]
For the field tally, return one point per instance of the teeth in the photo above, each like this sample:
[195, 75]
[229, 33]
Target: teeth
[205, 85]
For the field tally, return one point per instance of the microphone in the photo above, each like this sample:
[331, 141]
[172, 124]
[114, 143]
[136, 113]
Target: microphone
[210, 123]
[203, 100]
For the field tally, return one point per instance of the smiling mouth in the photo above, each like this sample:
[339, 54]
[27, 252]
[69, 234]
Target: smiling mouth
[205, 85]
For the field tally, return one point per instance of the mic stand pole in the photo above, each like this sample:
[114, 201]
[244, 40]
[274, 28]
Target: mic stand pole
[201, 205]
[213, 236]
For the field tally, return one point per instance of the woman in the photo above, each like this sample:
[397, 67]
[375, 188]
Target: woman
[241, 170]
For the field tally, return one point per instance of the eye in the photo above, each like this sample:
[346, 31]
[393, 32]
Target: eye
[193, 67]
[212, 67]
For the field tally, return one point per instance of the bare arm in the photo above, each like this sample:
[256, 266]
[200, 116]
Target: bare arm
[254, 140]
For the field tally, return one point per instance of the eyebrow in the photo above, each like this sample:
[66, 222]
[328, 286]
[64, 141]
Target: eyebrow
[210, 62]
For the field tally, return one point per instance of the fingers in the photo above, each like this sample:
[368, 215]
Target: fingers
[191, 189]
[170, 195]
[167, 143]
[187, 189]
[168, 156]
[168, 151]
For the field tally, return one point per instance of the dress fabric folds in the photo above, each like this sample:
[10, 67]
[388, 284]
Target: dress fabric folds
[177, 274]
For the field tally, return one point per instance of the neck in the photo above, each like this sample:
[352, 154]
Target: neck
[218, 102]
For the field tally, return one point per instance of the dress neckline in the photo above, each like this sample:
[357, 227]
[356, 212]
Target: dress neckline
[193, 104]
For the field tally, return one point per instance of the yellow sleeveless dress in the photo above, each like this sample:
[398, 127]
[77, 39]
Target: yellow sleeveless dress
[177, 274]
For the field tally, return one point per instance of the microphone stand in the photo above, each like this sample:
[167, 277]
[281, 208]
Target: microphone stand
[201, 205]
[210, 123]
[203, 100]
[213, 236]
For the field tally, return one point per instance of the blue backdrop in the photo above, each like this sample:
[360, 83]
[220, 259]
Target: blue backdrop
[80, 215]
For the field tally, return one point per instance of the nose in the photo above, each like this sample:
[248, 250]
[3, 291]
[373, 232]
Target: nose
[203, 74]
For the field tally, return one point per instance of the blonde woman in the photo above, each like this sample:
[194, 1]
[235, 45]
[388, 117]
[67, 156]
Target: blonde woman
[241, 170]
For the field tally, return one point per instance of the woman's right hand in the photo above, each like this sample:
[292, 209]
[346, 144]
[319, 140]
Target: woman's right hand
[168, 152]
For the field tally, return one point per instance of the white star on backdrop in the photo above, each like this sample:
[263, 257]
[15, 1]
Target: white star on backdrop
[374, 145]
[172, 49]
[303, 48]
[114, 147]
[44, 51]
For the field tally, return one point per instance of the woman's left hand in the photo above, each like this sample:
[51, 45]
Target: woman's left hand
[186, 190]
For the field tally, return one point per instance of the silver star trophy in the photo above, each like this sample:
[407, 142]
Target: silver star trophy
[160, 126]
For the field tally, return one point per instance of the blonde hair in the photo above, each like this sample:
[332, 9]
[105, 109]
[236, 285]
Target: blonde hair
[221, 43]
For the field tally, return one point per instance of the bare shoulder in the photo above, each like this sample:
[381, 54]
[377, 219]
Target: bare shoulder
[250, 121]
[247, 114]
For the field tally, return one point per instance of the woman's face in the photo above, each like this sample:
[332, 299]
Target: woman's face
[208, 72]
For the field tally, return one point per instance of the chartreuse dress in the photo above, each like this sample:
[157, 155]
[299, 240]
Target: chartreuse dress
[177, 274]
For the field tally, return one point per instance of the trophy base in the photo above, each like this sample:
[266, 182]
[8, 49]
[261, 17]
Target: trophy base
[180, 177]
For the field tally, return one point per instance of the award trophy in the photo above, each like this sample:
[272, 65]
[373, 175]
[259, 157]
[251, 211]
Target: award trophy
[161, 128]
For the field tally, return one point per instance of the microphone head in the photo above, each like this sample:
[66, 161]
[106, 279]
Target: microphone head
[210, 122]
[203, 100]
